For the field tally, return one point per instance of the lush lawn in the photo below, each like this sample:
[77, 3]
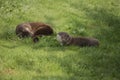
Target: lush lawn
[47, 60]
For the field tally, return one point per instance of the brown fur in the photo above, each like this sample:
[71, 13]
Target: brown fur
[66, 39]
[33, 29]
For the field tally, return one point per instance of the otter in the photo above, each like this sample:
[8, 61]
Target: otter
[33, 30]
[65, 39]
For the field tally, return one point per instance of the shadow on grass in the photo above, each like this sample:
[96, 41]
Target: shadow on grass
[110, 34]
[106, 62]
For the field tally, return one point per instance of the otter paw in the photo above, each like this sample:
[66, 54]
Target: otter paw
[35, 40]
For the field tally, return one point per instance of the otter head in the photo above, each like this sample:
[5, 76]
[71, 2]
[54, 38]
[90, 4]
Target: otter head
[24, 30]
[64, 38]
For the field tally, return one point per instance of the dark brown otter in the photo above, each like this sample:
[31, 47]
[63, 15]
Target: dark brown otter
[33, 30]
[66, 39]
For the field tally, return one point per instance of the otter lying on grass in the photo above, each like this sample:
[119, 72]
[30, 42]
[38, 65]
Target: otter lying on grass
[66, 39]
[33, 30]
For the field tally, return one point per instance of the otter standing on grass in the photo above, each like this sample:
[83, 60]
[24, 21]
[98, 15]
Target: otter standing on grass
[33, 30]
[66, 39]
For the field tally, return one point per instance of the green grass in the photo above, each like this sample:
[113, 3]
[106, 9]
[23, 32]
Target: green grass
[21, 59]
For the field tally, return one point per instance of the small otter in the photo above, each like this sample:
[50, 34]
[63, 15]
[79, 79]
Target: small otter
[66, 39]
[33, 30]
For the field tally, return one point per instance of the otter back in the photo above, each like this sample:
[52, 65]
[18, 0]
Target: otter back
[66, 39]
[82, 41]
[33, 30]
